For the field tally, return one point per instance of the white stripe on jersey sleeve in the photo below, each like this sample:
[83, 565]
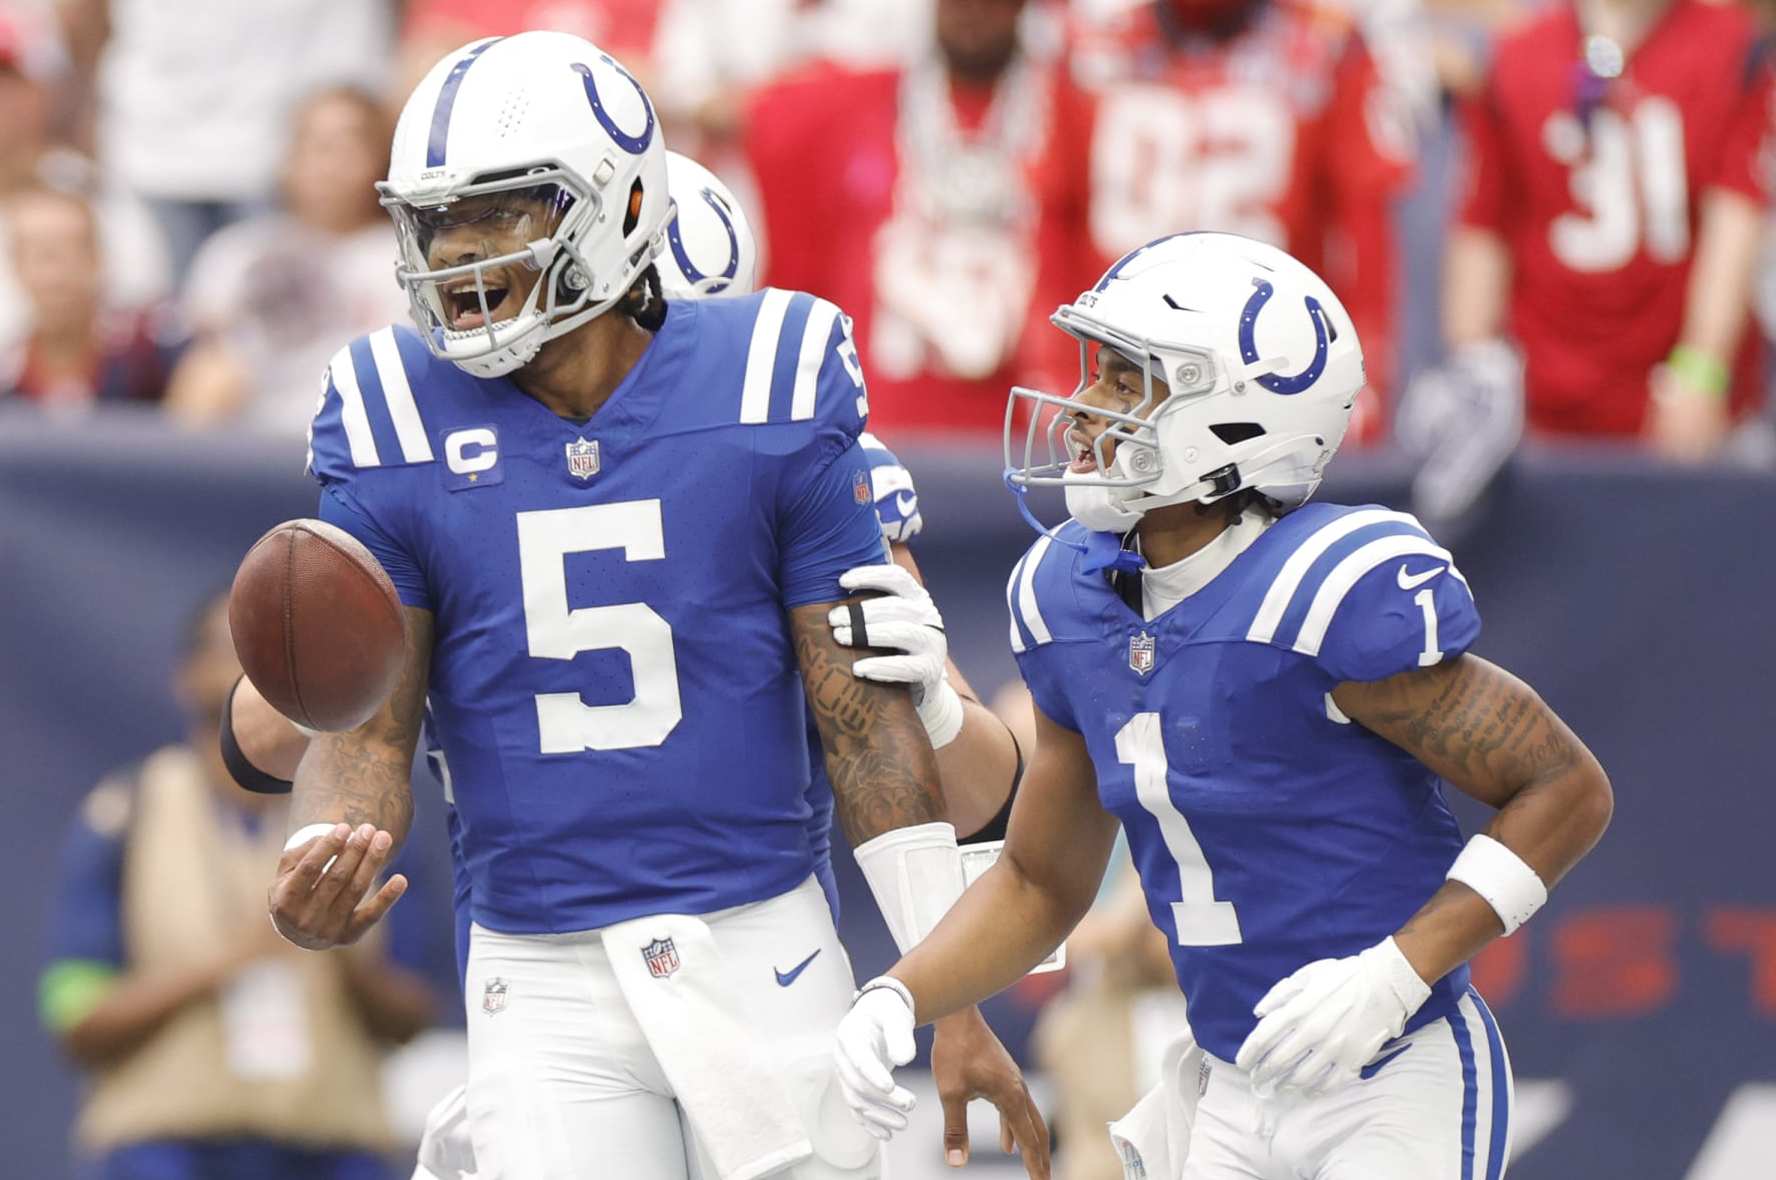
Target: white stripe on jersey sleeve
[415, 446]
[1017, 638]
[1349, 572]
[814, 333]
[1027, 591]
[351, 410]
[1288, 579]
[870, 442]
[761, 357]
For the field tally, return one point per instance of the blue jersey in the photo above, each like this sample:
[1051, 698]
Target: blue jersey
[612, 677]
[1269, 831]
[897, 507]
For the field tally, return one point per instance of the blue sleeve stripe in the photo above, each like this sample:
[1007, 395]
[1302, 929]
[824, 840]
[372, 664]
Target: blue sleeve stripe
[761, 357]
[376, 409]
[783, 365]
[391, 374]
[816, 337]
[351, 410]
[1289, 578]
[1348, 572]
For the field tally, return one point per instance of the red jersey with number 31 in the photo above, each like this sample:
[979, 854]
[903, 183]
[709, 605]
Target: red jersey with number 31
[1596, 189]
[1283, 131]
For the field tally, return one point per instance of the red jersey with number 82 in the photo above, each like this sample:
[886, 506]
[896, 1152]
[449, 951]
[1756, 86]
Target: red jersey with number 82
[1597, 195]
[1283, 132]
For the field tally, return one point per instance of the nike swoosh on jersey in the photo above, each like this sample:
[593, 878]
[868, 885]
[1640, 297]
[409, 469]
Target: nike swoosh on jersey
[904, 504]
[785, 978]
[1409, 581]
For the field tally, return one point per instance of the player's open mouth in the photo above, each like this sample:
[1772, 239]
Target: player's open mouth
[463, 305]
[1085, 456]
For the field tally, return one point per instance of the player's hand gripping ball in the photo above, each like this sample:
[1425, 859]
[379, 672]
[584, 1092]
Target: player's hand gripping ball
[317, 625]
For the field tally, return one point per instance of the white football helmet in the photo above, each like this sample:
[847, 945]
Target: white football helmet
[554, 119]
[1262, 364]
[710, 247]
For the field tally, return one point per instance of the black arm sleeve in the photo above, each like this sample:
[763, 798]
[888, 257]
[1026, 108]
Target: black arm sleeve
[995, 827]
[250, 777]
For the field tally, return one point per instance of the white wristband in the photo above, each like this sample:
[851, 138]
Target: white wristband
[940, 711]
[304, 834]
[1510, 887]
[916, 876]
[887, 983]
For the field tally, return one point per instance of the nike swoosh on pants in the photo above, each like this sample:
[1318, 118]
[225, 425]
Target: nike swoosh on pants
[785, 978]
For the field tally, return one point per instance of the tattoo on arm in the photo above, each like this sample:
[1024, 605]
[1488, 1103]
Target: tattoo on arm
[362, 776]
[883, 772]
[1469, 721]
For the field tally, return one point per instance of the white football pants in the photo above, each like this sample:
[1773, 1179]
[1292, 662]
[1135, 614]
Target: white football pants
[1438, 1110]
[563, 1084]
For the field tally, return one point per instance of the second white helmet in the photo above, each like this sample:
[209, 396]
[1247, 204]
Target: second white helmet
[1261, 365]
[710, 247]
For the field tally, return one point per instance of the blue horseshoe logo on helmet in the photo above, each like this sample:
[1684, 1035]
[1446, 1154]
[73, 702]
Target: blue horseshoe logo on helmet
[1324, 333]
[633, 144]
[684, 259]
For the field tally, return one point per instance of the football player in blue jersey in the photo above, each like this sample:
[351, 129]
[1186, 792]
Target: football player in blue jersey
[620, 525]
[713, 252]
[1265, 694]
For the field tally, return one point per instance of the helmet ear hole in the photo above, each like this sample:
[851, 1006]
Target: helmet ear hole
[632, 214]
[1235, 432]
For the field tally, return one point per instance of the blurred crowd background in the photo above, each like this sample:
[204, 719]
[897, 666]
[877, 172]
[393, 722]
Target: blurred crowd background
[190, 223]
[1547, 218]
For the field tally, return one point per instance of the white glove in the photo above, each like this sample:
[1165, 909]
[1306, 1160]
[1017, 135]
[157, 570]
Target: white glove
[1318, 1028]
[875, 1036]
[907, 621]
[1462, 421]
[445, 1151]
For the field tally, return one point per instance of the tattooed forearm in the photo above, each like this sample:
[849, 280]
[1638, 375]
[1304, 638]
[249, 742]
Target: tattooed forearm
[1471, 722]
[363, 776]
[356, 779]
[883, 772]
[1488, 734]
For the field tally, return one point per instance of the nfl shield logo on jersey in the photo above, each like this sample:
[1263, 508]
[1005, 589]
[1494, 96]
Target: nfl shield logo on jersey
[1141, 652]
[582, 458]
[661, 957]
[493, 997]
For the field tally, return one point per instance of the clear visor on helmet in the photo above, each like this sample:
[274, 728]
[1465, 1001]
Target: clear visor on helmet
[1053, 432]
[476, 258]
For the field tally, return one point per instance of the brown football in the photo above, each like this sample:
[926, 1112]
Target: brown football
[317, 625]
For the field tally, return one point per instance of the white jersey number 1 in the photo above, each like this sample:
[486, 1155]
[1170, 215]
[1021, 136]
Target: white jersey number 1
[1201, 920]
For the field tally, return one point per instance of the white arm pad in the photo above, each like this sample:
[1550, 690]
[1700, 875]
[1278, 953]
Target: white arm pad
[1499, 875]
[916, 876]
[304, 834]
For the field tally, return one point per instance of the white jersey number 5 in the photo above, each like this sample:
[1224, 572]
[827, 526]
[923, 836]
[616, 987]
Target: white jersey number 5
[1201, 920]
[566, 723]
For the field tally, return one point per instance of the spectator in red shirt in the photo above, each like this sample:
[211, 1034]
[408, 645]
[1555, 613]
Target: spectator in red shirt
[1610, 225]
[76, 352]
[902, 196]
[1266, 118]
